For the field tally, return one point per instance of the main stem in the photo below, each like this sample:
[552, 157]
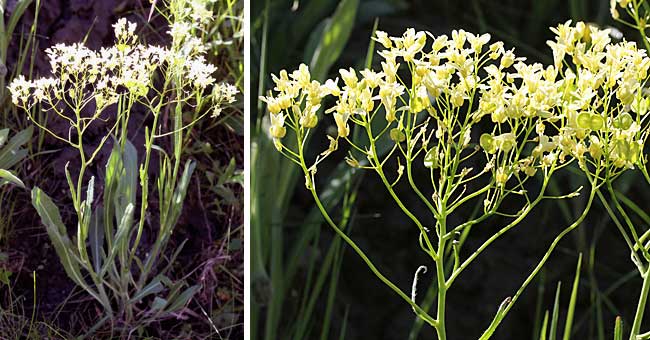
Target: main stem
[440, 276]
[640, 308]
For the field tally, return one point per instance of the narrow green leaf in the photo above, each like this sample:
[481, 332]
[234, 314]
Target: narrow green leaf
[111, 179]
[542, 333]
[51, 218]
[96, 238]
[154, 287]
[3, 32]
[335, 36]
[181, 191]
[371, 45]
[630, 204]
[130, 161]
[344, 327]
[572, 303]
[183, 299]
[158, 304]
[90, 191]
[87, 211]
[314, 40]
[618, 329]
[541, 287]
[18, 12]
[7, 176]
[121, 239]
[556, 313]
[310, 13]
[11, 153]
[4, 134]
[71, 186]
[497, 319]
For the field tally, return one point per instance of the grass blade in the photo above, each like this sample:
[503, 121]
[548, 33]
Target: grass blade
[572, 302]
[556, 313]
[542, 333]
[618, 329]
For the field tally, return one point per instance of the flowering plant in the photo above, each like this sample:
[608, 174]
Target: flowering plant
[589, 106]
[83, 85]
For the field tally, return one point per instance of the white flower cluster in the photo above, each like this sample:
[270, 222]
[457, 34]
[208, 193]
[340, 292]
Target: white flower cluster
[603, 103]
[194, 11]
[589, 102]
[189, 18]
[81, 75]
[223, 93]
[445, 78]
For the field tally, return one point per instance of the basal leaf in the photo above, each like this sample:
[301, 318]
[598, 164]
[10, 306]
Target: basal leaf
[183, 299]
[8, 177]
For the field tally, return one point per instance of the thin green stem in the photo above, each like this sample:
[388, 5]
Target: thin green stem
[627, 220]
[440, 277]
[643, 298]
[628, 241]
[379, 169]
[420, 312]
[542, 262]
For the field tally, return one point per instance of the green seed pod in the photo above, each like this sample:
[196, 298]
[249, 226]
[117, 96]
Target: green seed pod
[584, 120]
[431, 159]
[623, 149]
[591, 121]
[487, 143]
[397, 135]
[596, 122]
[623, 121]
[506, 141]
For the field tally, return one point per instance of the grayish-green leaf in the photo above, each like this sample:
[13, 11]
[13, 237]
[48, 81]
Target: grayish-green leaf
[183, 299]
[4, 134]
[121, 239]
[335, 36]
[158, 304]
[51, 218]
[8, 177]
[12, 153]
[154, 287]
[96, 238]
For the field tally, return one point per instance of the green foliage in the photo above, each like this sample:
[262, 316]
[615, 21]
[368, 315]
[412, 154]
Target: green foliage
[334, 35]
[109, 231]
[221, 180]
[275, 262]
[12, 152]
